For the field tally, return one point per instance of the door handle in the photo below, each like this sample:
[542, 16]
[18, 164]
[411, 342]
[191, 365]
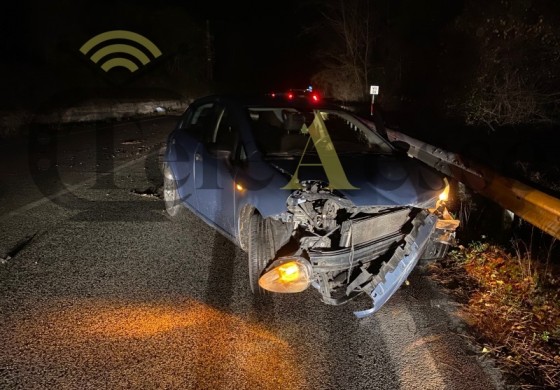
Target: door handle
[197, 157]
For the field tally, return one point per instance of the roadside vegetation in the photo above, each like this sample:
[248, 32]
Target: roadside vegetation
[511, 302]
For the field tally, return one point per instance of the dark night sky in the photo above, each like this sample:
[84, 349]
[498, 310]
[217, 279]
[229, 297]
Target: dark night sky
[257, 45]
[267, 43]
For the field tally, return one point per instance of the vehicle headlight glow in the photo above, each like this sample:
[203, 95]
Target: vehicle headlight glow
[444, 196]
[287, 275]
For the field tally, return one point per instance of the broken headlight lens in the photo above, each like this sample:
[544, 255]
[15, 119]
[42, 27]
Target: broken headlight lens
[287, 275]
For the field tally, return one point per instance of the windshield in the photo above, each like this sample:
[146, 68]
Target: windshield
[291, 131]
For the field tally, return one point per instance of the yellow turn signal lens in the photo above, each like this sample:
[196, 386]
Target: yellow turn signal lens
[287, 275]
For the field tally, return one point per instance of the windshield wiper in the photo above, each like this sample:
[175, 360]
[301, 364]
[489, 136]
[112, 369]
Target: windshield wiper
[293, 153]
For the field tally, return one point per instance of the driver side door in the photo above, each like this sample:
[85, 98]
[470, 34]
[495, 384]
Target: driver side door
[215, 169]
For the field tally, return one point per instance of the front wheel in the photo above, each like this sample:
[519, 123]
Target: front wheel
[260, 251]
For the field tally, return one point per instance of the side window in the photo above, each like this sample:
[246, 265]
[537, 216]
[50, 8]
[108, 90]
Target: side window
[199, 121]
[227, 135]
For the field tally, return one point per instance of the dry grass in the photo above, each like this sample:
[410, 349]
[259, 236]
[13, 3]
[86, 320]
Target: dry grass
[513, 306]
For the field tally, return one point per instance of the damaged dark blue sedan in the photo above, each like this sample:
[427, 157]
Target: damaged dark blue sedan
[313, 193]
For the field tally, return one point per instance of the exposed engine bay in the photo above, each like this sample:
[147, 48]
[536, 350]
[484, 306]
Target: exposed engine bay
[326, 220]
[352, 248]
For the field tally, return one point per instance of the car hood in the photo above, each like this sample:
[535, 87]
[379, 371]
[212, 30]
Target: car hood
[379, 179]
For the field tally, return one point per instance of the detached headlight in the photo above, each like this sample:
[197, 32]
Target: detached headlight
[287, 275]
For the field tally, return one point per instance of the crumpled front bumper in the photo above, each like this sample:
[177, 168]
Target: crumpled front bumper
[395, 271]
[429, 237]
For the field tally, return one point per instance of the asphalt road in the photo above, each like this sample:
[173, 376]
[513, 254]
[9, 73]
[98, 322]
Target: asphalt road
[99, 289]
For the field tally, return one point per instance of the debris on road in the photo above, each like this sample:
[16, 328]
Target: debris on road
[152, 192]
[18, 247]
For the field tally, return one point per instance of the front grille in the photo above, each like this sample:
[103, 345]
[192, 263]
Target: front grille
[358, 231]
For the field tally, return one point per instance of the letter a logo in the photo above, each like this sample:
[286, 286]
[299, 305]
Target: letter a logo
[327, 154]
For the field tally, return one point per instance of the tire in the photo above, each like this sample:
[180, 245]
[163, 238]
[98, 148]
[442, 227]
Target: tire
[260, 251]
[173, 207]
[244, 220]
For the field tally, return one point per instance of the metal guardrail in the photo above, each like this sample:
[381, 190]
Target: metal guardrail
[534, 206]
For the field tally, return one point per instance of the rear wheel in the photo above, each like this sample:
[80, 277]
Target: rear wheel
[260, 250]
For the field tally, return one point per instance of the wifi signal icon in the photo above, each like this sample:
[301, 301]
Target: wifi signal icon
[120, 48]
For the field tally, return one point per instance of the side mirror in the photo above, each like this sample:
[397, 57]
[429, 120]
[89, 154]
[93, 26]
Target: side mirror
[218, 151]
